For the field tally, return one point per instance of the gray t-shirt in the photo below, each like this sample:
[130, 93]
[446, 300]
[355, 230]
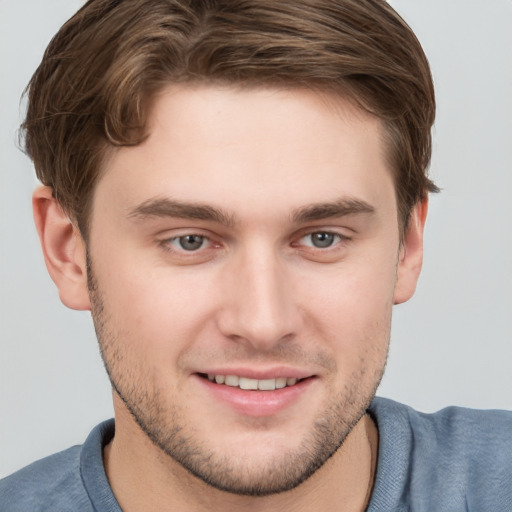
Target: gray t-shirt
[454, 460]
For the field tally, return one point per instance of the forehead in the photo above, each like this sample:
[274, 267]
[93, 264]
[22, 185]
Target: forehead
[243, 149]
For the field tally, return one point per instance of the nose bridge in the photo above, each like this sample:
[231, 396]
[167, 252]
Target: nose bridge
[262, 310]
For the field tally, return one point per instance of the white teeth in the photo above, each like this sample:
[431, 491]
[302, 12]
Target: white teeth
[252, 384]
[248, 383]
[232, 380]
[267, 384]
[280, 382]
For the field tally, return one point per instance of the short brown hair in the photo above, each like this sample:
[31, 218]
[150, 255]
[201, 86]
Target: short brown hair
[99, 72]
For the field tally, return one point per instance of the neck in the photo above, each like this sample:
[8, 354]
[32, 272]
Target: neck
[143, 478]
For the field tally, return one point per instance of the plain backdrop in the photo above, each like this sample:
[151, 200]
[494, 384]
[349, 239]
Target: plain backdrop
[451, 344]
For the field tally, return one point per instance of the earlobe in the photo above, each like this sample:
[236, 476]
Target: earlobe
[63, 249]
[411, 254]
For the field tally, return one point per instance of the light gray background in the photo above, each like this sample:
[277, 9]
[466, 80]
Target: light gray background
[452, 344]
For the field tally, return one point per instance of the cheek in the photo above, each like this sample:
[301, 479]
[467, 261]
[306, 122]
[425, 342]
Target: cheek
[156, 310]
[354, 293]
[353, 312]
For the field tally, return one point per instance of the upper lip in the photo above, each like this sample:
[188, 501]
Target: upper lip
[259, 373]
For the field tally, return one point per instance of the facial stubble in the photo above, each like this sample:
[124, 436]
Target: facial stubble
[165, 424]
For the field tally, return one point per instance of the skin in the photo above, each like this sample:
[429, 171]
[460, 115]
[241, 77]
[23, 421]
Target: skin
[296, 265]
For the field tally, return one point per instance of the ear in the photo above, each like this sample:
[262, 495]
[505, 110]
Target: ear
[410, 258]
[63, 249]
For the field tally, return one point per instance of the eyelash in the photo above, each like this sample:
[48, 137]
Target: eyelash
[167, 244]
[337, 238]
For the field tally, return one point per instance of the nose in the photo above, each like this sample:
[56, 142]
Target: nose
[260, 308]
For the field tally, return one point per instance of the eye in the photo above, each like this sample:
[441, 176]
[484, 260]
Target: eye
[189, 247]
[189, 243]
[321, 239]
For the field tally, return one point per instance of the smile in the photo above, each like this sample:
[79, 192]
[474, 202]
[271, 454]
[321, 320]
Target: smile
[253, 384]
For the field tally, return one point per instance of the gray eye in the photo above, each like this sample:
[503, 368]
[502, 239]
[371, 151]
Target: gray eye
[322, 240]
[191, 242]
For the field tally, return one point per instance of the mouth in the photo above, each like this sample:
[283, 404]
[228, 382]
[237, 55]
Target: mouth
[273, 393]
[249, 384]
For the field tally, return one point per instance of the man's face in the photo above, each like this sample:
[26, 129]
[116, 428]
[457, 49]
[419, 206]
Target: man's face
[253, 237]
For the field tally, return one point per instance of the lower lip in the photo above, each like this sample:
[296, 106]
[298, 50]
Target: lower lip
[257, 403]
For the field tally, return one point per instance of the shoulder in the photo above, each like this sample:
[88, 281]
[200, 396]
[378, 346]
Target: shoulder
[71, 480]
[454, 431]
[460, 424]
[52, 483]
[465, 454]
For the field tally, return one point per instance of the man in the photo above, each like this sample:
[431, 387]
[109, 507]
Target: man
[237, 191]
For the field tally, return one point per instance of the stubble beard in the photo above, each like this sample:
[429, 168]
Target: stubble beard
[164, 424]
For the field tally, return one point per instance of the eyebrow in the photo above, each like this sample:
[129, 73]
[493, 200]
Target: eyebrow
[165, 207]
[339, 208]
